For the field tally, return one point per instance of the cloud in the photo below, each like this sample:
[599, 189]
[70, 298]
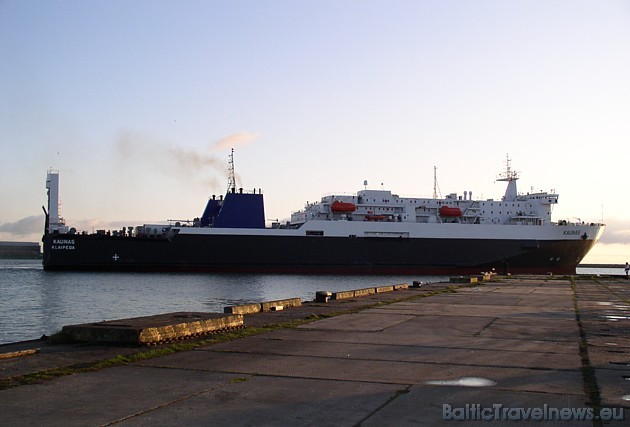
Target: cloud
[617, 231]
[236, 140]
[32, 227]
[25, 226]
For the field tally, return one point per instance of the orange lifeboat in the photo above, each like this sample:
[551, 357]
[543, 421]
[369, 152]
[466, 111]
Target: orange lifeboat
[449, 211]
[343, 207]
[372, 217]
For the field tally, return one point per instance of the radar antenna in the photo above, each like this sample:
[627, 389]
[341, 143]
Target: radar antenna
[510, 177]
[231, 174]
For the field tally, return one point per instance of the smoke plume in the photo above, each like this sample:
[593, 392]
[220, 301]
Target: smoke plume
[184, 164]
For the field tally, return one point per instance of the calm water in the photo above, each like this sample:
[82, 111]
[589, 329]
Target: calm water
[34, 302]
[601, 271]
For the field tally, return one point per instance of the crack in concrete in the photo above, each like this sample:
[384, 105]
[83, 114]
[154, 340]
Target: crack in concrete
[591, 388]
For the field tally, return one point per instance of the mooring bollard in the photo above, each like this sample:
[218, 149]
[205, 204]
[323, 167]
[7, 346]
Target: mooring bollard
[322, 296]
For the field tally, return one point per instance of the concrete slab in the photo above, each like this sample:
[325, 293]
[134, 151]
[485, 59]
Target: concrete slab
[562, 329]
[610, 342]
[438, 355]
[479, 309]
[602, 356]
[56, 356]
[104, 397]
[411, 334]
[435, 405]
[392, 372]
[614, 386]
[362, 322]
[261, 401]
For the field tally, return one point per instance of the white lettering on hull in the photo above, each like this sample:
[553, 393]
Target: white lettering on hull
[63, 245]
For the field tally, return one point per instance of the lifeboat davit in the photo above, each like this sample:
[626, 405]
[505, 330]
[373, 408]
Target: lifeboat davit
[343, 207]
[449, 211]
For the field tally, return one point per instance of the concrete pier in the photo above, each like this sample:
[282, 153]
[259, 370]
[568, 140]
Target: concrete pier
[149, 330]
[553, 349]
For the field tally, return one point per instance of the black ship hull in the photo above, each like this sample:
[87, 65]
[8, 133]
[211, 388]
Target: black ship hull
[311, 254]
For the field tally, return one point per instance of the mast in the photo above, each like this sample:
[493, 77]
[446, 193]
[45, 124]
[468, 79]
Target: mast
[510, 176]
[436, 187]
[231, 174]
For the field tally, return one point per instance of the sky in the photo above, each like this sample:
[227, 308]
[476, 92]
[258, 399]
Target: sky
[137, 105]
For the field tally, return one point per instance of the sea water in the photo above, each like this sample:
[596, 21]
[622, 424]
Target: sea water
[34, 302]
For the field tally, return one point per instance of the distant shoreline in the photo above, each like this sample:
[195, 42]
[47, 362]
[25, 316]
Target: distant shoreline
[601, 266]
[33, 257]
[621, 266]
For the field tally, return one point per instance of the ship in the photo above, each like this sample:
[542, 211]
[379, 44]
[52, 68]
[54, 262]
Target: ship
[372, 231]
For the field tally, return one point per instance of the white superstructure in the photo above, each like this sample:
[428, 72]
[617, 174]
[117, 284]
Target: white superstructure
[56, 224]
[383, 206]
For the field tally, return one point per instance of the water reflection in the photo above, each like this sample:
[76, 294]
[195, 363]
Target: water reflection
[465, 382]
